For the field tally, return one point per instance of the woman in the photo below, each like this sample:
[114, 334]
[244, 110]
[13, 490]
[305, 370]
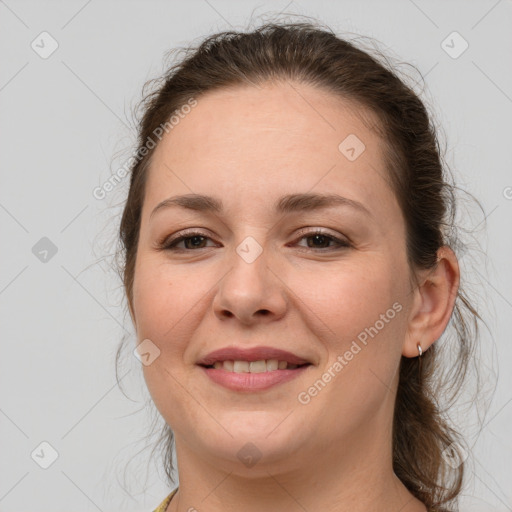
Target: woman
[288, 273]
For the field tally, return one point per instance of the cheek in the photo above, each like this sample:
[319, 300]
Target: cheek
[164, 305]
[362, 316]
[164, 301]
[359, 316]
[348, 300]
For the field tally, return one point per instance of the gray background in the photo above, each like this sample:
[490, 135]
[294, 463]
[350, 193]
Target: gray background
[66, 126]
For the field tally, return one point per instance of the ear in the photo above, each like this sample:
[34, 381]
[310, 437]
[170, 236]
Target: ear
[433, 303]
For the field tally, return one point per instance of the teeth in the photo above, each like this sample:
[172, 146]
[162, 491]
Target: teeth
[261, 366]
[257, 366]
[241, 366]
[273, 364]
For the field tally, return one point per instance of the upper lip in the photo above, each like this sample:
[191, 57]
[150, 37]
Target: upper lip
[250, 354]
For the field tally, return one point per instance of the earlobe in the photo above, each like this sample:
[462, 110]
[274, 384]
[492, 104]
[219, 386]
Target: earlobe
[433, 304]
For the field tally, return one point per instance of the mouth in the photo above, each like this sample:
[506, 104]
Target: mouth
[261, 366]
[252, 360]
[254, 369]
[249, 376]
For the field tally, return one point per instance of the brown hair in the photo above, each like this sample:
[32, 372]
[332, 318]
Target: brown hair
[314, 55]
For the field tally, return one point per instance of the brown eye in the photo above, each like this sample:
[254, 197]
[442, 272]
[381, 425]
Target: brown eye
[191, 241]
[319, 240]
[194, 242]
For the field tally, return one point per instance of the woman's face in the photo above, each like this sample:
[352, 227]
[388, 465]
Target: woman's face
[253, 274]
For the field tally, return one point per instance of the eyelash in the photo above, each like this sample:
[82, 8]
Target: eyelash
[170, 245]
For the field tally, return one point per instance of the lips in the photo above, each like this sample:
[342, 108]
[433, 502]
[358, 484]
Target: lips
[251, 354]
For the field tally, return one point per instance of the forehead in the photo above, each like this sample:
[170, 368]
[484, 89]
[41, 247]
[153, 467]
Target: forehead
[257, 143]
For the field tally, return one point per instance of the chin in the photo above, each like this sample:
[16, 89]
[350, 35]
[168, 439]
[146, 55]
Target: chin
[264, 430]
[251, 456]
[259, 424]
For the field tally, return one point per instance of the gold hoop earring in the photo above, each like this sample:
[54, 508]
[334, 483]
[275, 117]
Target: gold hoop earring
[420, 351]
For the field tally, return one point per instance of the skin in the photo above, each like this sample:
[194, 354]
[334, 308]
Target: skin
[249, 146]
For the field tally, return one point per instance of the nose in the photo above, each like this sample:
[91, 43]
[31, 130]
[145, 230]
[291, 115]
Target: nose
[251, 292]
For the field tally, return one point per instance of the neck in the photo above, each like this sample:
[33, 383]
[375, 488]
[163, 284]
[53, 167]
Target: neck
[332, 481]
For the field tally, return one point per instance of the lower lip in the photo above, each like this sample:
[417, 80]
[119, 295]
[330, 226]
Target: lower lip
[252, 381]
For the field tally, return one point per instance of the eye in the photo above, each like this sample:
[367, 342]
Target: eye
[320, 240]
[191, 240]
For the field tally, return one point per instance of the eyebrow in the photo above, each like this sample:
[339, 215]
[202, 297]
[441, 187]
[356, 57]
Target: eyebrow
[286, 204]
